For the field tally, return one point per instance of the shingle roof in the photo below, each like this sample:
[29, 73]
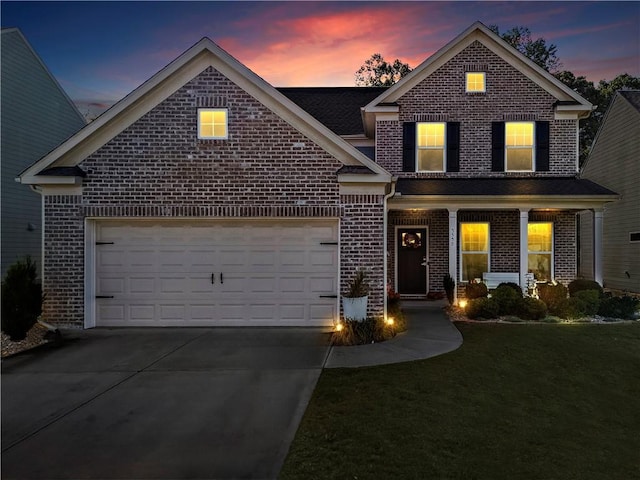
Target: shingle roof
[500, 186]
[338, 108]
[632, 96]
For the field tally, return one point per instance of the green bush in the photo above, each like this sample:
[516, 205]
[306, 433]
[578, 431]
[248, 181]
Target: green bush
[482, 307]
[552, 295]
[581, 284]
[530, 308]
[515, 286]
[571, 308]
[21, 299]
[591, 299]
[623, 307]
[507, 298]
[475, 290]
[449, 287]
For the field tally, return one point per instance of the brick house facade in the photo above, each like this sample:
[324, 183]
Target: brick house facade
[137, 204]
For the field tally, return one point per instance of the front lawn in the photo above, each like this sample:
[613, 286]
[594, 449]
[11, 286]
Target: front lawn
[532, 401]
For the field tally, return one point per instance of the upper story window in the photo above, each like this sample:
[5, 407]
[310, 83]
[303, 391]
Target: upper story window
[212, 123]
[519, 146]
[475, 82]
[430, 143]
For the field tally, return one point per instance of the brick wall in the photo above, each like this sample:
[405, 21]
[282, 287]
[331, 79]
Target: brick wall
[509, 96]
[157, 167]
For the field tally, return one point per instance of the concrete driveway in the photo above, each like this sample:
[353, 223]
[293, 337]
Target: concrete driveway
[202, 403]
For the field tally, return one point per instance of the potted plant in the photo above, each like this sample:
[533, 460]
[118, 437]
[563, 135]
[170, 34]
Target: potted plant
[354, 301]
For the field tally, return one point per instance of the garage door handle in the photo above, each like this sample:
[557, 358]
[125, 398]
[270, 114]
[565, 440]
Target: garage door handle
[213, 278]
[221, 278]
[104, 296]
[328, 296]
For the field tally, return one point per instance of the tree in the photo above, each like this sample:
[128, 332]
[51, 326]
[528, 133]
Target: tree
[376, 72]
[600, 96]
[536, 50]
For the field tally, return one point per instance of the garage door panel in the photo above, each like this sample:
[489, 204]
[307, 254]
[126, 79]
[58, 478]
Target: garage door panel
[160, 273]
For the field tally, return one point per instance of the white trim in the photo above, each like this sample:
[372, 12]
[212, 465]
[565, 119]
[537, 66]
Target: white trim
[484, 82]
[90, 273]
[226, 123]
[524, 247]
[453, 248]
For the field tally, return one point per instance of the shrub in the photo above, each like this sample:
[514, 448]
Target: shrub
[619, 307]
[571, 308]
[21, 299]
[530, 308]
[449, 287]
[515, 286]
[552, 295]
[475, 290]
[363, 332]
[507, 298]
[399, 321]
[482, 307]
[581, 284]
[591, 299]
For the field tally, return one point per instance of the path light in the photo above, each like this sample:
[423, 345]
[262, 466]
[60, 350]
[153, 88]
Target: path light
[462, 304]
[389, 321]
[339, 327]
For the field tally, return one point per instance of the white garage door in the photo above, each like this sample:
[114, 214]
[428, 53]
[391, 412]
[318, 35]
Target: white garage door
[224, 273]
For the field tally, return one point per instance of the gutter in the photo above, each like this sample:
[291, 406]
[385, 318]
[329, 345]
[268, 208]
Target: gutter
[384, 234]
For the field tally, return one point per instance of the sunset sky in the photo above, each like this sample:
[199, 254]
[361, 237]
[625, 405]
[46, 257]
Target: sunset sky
[100, 51]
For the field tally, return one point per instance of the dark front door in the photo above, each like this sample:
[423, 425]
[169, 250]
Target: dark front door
[412, 259]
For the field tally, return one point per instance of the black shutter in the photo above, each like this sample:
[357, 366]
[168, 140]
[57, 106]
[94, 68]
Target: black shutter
[542, 146]
[497, 146]
[453, 146]
[409, 147]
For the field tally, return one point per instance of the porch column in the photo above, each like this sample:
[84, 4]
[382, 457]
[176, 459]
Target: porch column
[453, 249]
[597, 246]
[524, 247]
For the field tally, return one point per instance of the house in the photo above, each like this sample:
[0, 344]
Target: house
[208, 197]
[29, 91]
[614, 162]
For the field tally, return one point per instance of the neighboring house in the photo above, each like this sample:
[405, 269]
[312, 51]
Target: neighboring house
[208, 197]
[614, 162]
[29, 92]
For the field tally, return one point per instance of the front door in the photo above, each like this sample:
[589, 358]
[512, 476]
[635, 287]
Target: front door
[412, 261]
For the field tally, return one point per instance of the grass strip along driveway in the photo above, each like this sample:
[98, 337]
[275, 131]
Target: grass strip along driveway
[514, 402]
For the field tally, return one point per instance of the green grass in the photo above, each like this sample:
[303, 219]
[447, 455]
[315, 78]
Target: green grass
[533, 401]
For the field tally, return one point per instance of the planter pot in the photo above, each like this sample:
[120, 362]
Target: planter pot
[355, 308]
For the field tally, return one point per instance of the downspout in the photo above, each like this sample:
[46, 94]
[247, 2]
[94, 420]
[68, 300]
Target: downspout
[384, 233]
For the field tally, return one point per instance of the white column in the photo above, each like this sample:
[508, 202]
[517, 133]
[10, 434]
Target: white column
[453, 250]
[524, 247]
[597, 246]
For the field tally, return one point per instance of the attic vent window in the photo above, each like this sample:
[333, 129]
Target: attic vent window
[212, 123]
[475, 82]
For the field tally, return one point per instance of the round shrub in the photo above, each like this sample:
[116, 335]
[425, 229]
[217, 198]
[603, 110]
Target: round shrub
[483, 307]
[530, 308]
[591, 299]
[21, 299]
[581, 284]
[507, 298]
[552, 295]
[475, 290]
[571, 308]
[515, 286]
[619, 307]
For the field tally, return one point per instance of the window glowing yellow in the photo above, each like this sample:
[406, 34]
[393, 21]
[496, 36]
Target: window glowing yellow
[430, 140]
[212, 123]
[474, 250]
[475, 82]
[519, 146]
[540, 250]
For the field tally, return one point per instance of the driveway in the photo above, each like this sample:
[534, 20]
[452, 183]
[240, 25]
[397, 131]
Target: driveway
[202, 403]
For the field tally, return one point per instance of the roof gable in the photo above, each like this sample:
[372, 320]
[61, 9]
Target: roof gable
[479, 32]
[167, 81]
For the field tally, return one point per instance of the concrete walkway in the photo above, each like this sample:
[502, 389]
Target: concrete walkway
[429, 333]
